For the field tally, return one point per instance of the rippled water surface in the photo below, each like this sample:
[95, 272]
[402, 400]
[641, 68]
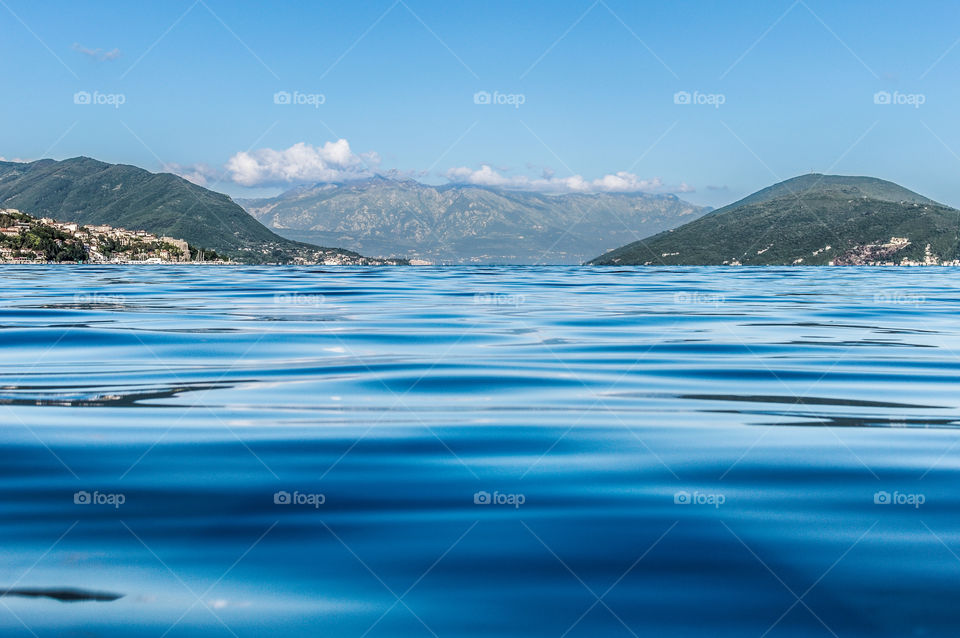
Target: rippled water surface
[465, 452]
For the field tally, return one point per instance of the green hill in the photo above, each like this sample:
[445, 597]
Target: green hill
[88, 191]
[809, 220]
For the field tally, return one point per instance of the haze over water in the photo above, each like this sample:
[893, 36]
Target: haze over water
[480, 451]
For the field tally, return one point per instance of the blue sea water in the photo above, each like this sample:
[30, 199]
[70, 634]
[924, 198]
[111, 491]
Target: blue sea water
[456, 452]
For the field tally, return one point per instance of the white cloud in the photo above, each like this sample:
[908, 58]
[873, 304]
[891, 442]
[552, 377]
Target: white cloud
[199, 174]
[304, 163]
[619, 182]
[301, 163]
[97, 54]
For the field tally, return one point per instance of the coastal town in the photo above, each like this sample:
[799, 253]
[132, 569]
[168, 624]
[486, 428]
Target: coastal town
[882, 253]
[25, 239]
[885, 254]
[28, 240]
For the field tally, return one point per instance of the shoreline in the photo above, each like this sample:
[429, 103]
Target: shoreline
[585, 267]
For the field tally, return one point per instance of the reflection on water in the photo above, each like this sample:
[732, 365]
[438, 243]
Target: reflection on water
[479, 451]
[63, 595]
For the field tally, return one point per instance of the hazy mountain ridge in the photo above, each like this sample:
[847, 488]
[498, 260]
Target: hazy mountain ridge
[88, 191]
[809, 220]
[458, 223]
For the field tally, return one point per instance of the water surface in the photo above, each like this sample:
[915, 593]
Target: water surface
[479, 451]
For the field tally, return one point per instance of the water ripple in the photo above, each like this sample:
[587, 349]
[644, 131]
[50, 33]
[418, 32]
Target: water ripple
[244, 450]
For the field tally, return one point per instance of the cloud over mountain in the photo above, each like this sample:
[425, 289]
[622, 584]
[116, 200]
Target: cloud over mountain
[619, 182]
[199, 174]
[304, 163]
[301, 163]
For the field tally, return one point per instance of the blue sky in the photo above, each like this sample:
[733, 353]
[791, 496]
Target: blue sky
[588, 91]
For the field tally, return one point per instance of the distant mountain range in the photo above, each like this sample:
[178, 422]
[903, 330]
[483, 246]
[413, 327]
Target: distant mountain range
[87, 191]
[467, 224]
[809, 220]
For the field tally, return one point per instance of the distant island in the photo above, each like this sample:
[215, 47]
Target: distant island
[814, 220]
